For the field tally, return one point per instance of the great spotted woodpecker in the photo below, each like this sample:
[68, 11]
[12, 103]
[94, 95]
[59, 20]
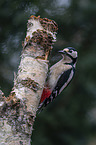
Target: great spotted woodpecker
[60, 75]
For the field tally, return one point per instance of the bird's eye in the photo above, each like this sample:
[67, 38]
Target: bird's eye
[70, 51]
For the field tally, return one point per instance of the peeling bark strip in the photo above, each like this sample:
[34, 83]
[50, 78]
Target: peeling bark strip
[30, 84]
[18, 111]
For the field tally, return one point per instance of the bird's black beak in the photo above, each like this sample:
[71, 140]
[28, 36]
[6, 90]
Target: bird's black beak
[62, 51]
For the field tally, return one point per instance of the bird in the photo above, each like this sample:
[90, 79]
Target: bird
[59, 77]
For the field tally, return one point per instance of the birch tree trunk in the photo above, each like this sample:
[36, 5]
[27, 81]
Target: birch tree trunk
[18, 110]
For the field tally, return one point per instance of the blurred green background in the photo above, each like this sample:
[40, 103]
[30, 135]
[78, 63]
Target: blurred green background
[71, 118]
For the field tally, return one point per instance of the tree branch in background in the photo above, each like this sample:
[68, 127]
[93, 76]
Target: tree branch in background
[18, 110]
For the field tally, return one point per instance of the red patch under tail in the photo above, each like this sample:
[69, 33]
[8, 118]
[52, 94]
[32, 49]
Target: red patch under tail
[45, 94]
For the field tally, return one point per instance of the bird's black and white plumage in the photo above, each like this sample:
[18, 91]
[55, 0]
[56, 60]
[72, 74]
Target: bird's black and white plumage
[60, 74]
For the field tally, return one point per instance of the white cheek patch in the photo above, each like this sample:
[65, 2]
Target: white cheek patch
[74, 54]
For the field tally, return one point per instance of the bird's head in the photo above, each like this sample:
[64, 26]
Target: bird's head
[70, 53]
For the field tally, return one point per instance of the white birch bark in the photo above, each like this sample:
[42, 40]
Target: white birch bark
[18, 111]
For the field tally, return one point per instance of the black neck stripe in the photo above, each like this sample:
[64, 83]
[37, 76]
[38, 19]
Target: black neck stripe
[73, 59]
